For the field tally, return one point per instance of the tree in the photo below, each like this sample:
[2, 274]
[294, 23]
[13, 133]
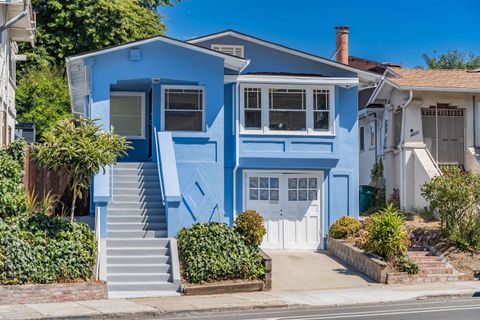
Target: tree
[67, 27]
[81, 149]
[453, 59]
[42, 97]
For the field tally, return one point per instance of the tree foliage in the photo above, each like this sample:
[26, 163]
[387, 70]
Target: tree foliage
[67, 27]
[453, 59]
[42, 97]
[81, 148]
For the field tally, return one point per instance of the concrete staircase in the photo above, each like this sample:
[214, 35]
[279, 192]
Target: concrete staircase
[139, 256]
[433, 268]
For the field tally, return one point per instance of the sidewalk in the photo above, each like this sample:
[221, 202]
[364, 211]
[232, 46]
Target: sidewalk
[252, 300]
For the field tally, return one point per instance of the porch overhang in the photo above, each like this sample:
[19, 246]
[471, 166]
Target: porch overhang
[20, 20]
[293, 80]
[313, 163]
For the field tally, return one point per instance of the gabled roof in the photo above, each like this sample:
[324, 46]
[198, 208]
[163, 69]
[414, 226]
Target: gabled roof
[435, 80]
[365, 75]
[232, 62]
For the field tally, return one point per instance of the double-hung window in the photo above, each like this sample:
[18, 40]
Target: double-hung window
[253, 108]
[282, 109]
[183, 108]
[321, 110]
[287, 110]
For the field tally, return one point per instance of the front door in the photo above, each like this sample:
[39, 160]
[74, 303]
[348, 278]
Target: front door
[290, 205]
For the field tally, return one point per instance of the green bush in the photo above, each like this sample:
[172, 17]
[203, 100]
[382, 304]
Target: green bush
[42, 249]
[214, 251]
[15, 151]
[455, 198]
[407, 264]
[344, 227]
[12, 194]
[387, 234]
[250, 224]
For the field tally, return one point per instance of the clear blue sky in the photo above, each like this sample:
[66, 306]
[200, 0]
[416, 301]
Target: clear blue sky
[397, 31]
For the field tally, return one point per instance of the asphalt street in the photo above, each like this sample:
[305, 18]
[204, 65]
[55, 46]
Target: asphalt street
[459, 308]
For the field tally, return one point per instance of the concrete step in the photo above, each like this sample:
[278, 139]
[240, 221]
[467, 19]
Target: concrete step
[146, 212]
[135, 205]
[135, 172]
[135, 165]
[137, 243]
[137, 219]
[137, 260]
[141, 286]
[420, 254]
[137, 234]
[136, 226]
[134, 178]
[138, 268]
[139, 251]
[136, 198]
[135, 277]
[142, 185]
[137, 191]
[425, 258]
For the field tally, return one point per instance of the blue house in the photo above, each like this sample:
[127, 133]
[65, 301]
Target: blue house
[219, 124]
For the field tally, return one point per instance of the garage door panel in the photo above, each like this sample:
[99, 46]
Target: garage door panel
[290, 206]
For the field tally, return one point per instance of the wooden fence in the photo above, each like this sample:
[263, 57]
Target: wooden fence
[40, 181]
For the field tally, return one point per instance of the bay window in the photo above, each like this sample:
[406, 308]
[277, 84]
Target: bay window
[183, 108]
[268, 108]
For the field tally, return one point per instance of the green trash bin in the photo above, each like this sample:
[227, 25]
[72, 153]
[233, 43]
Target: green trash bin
[367, 194]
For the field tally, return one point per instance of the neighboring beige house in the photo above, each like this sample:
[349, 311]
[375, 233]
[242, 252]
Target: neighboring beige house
[424, 120]
[17, 24]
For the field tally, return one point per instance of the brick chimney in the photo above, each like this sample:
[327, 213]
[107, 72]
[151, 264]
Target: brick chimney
[342, 44]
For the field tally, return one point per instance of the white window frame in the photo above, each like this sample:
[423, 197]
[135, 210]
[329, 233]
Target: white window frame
[182, 87]
[234, 48]
[308, 109]
[143, 108]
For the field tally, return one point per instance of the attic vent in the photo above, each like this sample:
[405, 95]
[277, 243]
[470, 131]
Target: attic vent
[229, 49]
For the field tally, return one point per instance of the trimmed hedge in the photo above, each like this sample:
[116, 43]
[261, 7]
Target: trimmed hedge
[214, 251]
[42, 249]
[344, 227]
[250, 224]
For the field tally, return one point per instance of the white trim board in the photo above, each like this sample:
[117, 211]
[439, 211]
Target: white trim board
[369, 76]
[292, 80]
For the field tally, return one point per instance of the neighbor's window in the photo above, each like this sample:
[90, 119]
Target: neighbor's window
[287, 109]
[362, 138]
[321, 110]
[127, 111]
[372, 134]
[183, 109]
[253, 108]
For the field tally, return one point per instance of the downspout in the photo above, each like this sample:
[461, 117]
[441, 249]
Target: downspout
[402, 150]
[236, 111]
[474, 123]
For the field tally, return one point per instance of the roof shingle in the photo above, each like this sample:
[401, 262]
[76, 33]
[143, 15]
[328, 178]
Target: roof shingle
[440, 78]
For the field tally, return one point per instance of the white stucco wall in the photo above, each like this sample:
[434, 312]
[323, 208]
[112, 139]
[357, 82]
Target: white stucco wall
[367, 157]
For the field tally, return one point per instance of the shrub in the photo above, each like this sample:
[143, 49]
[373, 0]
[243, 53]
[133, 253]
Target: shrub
[250, 224]
[12, 195]
[214, 251]
[406, 264]
[15, 151]
[42, 249]
[344, 227]
[455, 198]
[359, 239]
[387, 234]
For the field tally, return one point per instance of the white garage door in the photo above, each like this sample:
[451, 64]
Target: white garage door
[290, 204]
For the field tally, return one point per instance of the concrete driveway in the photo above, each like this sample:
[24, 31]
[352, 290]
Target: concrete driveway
[312, 270]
